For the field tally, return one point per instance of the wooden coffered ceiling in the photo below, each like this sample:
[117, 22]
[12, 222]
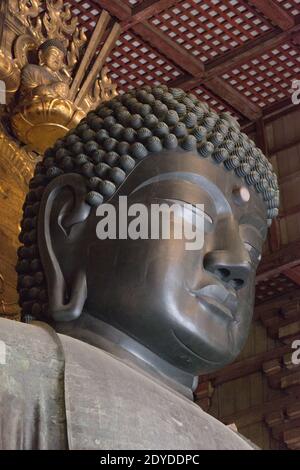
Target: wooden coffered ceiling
[239, 55]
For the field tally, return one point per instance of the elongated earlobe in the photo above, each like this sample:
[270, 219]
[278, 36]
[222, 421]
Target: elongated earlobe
[63, 206]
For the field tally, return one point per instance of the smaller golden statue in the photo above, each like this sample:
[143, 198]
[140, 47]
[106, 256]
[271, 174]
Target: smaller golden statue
[50, 78]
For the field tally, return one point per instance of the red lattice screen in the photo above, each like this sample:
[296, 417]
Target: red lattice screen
[212, 32]
[209, 29]
[134, 63]
[267, 78]
[87, 12]
[291, 6]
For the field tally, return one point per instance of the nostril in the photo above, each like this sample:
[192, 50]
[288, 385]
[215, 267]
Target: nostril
[223, 273]
[237, 283]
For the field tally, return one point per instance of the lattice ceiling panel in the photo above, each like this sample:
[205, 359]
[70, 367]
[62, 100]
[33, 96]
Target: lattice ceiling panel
[267, 78]
[292, 6]
[134, 63]
[207, 30]
[213, 101]
[86, 11]
[273, 287]
[211, 28]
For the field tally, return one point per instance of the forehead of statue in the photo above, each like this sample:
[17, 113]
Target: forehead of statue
[53, 50]
[184, 176]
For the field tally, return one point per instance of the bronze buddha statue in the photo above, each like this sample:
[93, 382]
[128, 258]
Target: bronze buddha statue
[131, 323]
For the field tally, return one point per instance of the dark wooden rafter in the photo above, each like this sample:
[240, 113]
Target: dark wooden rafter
[90, 52]
[244, 367]
[145, 10]
[195, 71]
[274, 12]
[170, 49]
[293, 274]
[240, 55]
[287, 257]
[259, 412]
[273, 113]
[290, 211]
[117, 8]
[289, 302]
[291, 176]
[286, 28]
[238, 101]
[286, 146]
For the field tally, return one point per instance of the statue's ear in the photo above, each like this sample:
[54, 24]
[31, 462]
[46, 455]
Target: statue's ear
[61, 222]
[40, 57]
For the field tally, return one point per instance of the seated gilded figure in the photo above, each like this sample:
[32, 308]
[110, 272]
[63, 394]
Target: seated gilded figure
[48, 79]
[126, 326]
[43, 111]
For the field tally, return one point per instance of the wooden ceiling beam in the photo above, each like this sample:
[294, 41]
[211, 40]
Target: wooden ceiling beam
[238, 56]
[145, 10]
[273, 113]
[280, 109]
[245, 367]
[184, 60]
[235, 99]
[251, 50]
[117, 8]
[283, 306]
[290, 177]
[275, 263]
[290, 211]
[275, 13]
[285, 146]
[156, 38]
[195, 71]
[293, 274]
[258, 413]
[169, 48]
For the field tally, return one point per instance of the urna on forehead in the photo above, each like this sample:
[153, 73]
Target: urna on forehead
[121, 135]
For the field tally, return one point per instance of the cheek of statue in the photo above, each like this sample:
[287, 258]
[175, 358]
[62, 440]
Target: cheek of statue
[53, 60]
[54, 63]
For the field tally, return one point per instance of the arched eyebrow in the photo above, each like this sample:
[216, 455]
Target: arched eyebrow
[220, 201]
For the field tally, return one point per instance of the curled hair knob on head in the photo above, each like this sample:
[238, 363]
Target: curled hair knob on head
[53, 43]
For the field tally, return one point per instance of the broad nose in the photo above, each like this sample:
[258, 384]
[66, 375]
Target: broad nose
[228, 267]
[228, 259]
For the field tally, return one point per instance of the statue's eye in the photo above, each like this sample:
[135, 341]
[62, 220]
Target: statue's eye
[254, 254]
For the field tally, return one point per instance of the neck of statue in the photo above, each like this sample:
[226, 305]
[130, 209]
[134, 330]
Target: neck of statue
[99, 334]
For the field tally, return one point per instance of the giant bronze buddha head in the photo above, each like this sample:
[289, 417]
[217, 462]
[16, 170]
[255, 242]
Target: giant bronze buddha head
[190, 308]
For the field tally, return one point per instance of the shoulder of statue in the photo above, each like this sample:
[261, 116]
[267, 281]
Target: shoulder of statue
[31, 68]
[34, 75]
[31, 379]
[29, 340]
